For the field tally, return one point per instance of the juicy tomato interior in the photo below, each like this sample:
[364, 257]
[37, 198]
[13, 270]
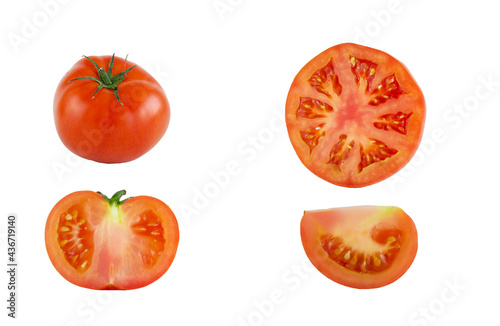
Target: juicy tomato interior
[97, 245]
[360, 247]
[354, 115]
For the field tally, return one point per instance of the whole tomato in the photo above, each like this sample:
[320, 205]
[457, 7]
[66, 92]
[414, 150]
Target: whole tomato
[108, 116]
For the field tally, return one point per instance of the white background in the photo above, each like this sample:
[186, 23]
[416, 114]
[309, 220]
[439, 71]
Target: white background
[226, 73]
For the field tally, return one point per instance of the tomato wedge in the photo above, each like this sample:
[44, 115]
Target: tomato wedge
[361, 247]
[355, 115]
[98, 242]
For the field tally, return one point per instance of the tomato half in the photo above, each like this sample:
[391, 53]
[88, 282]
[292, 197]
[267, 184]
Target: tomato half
[107, 243]
[361, 247]
[355, 115]
[110, 116]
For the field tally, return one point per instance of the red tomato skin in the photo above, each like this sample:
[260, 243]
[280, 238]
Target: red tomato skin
[100, 128]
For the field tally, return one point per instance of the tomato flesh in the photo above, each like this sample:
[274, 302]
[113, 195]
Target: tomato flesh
[360, 247]
[98, 245]
[354, 115]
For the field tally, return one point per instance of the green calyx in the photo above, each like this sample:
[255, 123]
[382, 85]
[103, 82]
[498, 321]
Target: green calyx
[115, 199]
[106, 78]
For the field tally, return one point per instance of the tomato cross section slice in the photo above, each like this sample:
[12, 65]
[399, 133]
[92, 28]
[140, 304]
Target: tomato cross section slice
[354, 115]
[106, 243]
[360, 247]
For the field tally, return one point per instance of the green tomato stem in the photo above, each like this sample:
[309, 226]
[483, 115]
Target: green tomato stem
[115, 199]
[105, 78]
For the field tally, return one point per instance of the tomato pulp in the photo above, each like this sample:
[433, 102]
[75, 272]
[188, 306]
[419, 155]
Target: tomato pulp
[361, 247]
[106, 116]
[355, 115]
[107, 243]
